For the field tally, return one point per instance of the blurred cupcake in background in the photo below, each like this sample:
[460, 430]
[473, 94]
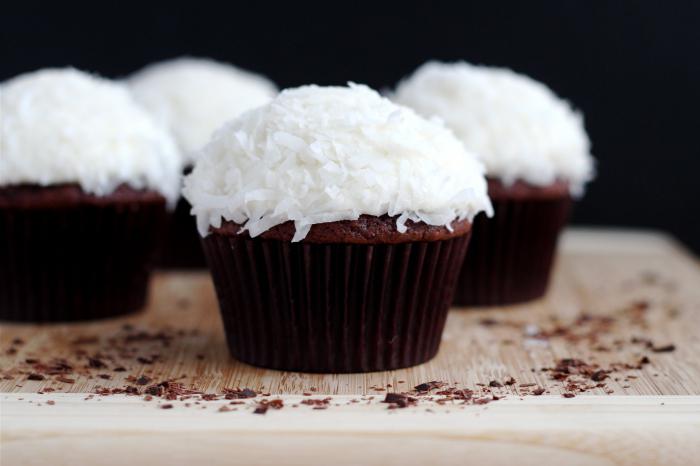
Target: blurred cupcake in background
[537, 157]
[85, 174]
[192, 97]
[335, 225]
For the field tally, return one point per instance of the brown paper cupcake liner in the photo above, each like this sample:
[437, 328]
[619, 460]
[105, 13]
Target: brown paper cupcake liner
[511, 254]
[68, 263]
[333, 307]
[182, 248]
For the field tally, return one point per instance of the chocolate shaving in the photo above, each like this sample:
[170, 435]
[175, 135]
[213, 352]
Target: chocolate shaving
[488, 322]
[427, 386]
[235, 394]
[264, 405]
[86, 340]
[316, 403]
[155, 390]
[95, 363]
[261, 409]
[143, 380]
[663, 349]
[399, 400]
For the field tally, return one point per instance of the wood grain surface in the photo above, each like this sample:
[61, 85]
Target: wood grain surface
[596, 273]
[592, 430]
[619, 296]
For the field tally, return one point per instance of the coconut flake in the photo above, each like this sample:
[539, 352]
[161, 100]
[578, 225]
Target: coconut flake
[66, 126]
[195, 96]
[518, 127]
[322, 154]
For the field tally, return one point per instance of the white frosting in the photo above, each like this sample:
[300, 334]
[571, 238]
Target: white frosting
[66, 126]
[322, 154]
[519, 128]
[194, 97]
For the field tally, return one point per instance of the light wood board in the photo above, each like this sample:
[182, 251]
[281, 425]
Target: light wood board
[615, 430]
[648, 416]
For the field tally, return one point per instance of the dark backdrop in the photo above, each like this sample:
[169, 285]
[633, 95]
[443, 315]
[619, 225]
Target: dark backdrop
[632, 67]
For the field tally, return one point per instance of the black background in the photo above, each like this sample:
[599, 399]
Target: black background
[632, 67]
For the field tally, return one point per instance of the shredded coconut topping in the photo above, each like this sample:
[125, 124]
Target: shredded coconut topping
[323, 154]
[518, 127]
[66, 126]
[195, 96]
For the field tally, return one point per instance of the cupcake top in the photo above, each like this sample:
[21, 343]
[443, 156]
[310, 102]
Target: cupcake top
[518, 127]
[62, 126]
[323, 154]
[195, 96]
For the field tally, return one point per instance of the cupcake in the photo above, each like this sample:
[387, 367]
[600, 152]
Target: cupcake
[193, 97]
[537, 158]
[85, 175]
[335, 223]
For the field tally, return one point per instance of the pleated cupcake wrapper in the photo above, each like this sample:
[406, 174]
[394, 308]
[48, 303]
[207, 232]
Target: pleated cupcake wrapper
[333, 307]
[182, 248]
[510, 256]
[76, 263]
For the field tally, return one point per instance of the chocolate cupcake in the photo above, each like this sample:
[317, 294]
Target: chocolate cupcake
[537, 158]
[192, 97]
[335, 224]
[85, 175]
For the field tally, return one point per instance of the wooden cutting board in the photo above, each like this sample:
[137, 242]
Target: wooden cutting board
[616, 297]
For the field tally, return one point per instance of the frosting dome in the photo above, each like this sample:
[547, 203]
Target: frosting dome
[66, 126]
[322, 154]
[195, 96]
[518, 127]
